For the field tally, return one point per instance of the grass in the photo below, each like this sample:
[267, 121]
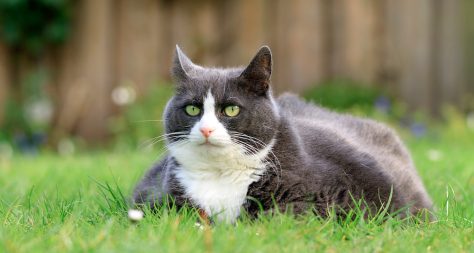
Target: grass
[76, 203]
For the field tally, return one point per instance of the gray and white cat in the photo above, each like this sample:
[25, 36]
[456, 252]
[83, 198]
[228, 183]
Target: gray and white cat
[232, 146]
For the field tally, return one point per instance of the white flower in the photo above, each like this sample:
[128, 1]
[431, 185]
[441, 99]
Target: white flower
[135, 215]
[434, 155]
[199, 226]
[66, 147]
[123, 95]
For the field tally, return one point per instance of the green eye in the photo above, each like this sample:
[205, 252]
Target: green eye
[232, 110]
[192, 110]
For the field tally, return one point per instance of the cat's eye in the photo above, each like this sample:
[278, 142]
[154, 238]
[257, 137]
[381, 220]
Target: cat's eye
[231, 110]
[192, 110]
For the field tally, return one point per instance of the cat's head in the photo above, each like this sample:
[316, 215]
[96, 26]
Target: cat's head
[214, 108]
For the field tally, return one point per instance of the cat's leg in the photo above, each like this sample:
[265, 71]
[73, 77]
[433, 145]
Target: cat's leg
[149, 192]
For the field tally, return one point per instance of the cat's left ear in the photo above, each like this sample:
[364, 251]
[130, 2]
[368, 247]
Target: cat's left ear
[182, 66]
[257, 74]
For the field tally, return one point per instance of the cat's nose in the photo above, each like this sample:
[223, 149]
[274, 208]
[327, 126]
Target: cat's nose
[206, 131]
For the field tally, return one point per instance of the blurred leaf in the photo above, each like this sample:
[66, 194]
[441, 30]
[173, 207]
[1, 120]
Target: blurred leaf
[32, 25]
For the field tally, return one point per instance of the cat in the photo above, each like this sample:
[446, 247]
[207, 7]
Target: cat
[232, 146]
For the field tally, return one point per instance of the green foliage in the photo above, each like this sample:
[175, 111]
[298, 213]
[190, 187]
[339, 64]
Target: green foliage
[29, 117]
[32, 25]
[456, 125]
[29, 27]
[142, 121]
[343, 95]
[15, 121]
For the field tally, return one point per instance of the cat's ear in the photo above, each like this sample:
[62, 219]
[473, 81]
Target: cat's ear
[258, 72]
[182, 66]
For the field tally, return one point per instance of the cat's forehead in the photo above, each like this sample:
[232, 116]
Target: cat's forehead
[214, 76]
[220, 82]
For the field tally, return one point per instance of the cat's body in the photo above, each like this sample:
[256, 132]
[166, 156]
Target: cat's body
[282, 152]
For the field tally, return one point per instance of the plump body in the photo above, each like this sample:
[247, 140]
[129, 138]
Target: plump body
[346, 159]
[275, 151]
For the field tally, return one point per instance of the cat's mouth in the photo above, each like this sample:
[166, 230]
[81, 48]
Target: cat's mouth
[207, 143]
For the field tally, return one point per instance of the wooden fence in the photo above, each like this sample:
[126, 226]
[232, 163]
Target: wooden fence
[414, 48]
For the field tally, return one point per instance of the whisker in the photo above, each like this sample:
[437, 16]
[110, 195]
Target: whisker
[274, 163]
[154, 140]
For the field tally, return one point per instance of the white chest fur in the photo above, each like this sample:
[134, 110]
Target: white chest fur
[217, 179]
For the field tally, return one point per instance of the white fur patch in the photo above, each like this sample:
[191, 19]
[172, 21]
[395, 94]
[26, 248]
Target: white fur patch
[216, 175]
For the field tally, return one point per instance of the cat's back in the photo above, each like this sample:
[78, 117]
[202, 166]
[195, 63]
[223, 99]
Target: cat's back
[365, 134]
[320, 128]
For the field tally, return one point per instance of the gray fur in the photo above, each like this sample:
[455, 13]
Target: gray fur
[320, 159]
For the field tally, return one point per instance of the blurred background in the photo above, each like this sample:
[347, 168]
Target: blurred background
[84, 73]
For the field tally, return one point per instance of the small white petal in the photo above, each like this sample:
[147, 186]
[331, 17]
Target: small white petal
[434, 155]
[135, 215]
[199, 225]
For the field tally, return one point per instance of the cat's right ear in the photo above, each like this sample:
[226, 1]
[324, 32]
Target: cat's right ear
[258, 72]
[182, 66]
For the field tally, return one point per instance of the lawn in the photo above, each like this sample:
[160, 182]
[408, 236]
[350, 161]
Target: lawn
[52, 203]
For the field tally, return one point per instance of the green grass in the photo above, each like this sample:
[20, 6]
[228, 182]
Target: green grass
[50, 203]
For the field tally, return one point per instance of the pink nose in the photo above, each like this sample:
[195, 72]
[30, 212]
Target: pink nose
[206, 131]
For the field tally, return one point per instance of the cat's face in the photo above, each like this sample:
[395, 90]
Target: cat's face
[218, 109]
